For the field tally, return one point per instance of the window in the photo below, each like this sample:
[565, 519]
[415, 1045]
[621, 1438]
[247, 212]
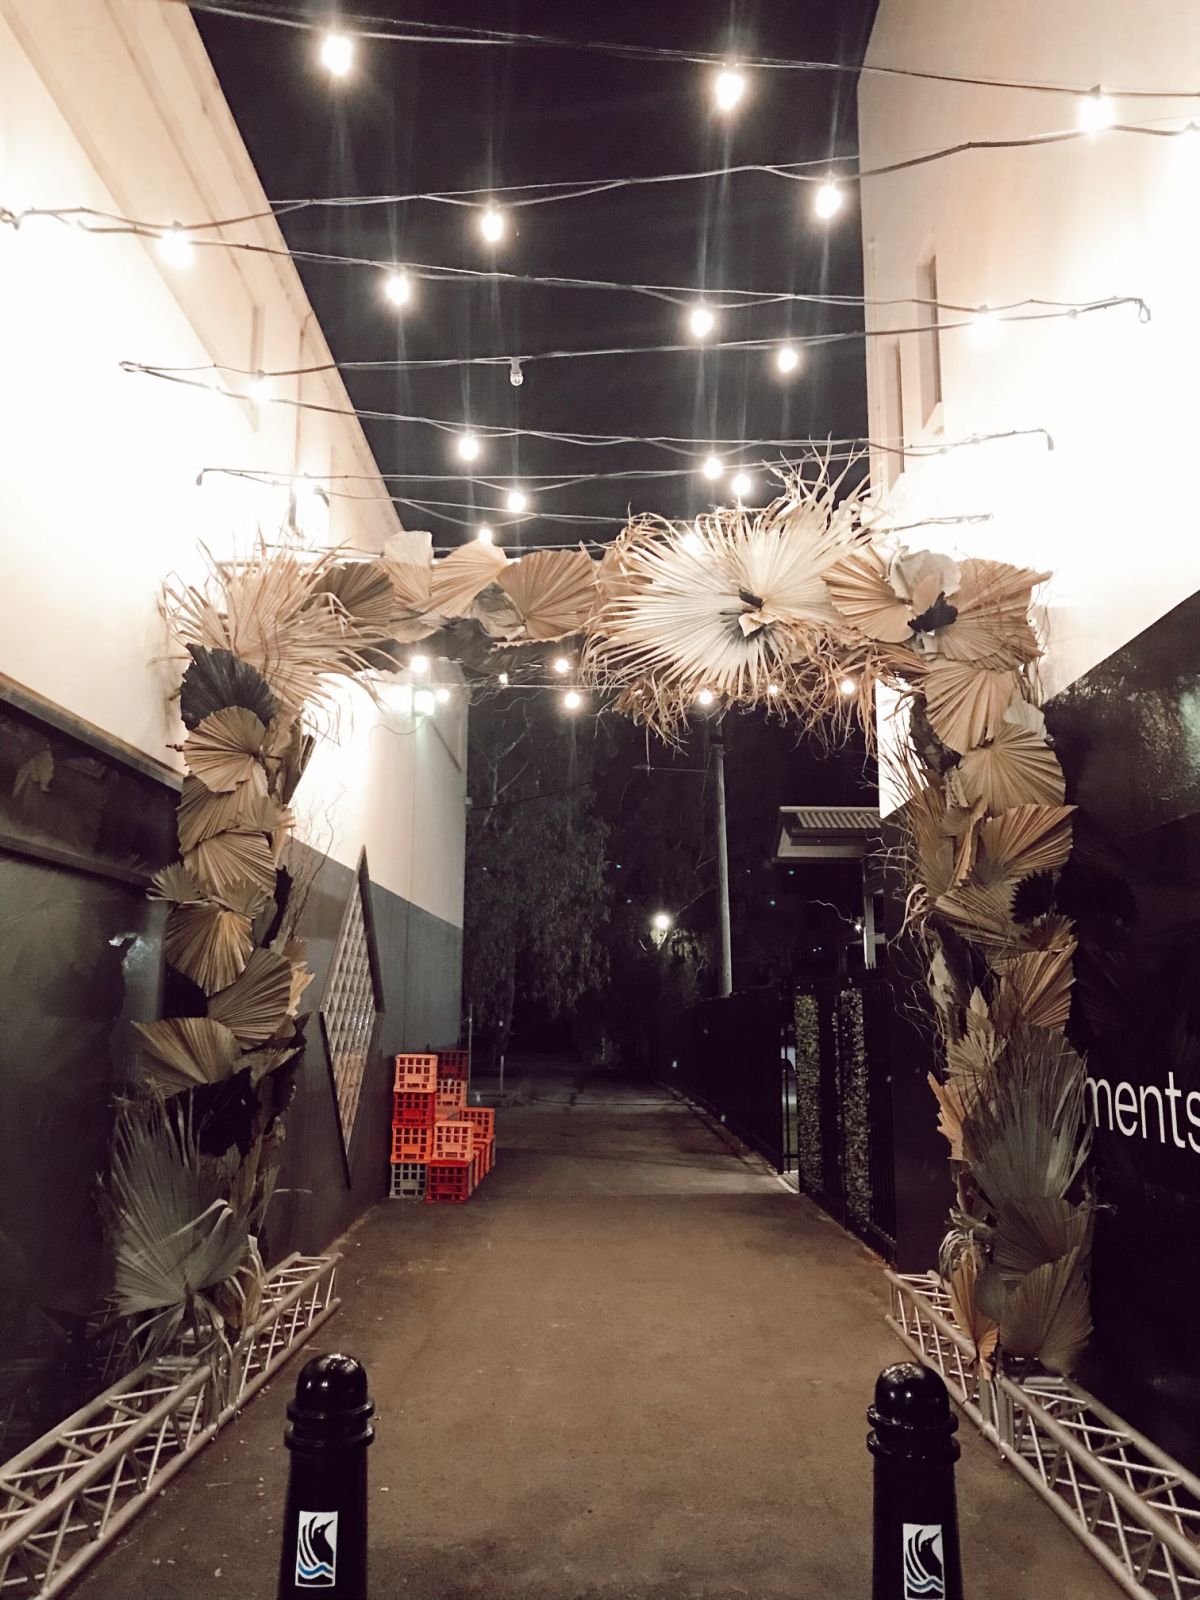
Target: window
[352, 1003]
[929, 343]
[893, 412]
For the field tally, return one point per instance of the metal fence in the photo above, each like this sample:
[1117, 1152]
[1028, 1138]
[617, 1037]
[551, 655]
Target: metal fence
[843, 1103]
[730, 1056]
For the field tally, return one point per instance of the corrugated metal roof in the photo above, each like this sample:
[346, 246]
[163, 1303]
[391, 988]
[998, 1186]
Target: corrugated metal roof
[829, 819]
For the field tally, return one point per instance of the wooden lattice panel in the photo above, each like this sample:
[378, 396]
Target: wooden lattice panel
[351, 1005]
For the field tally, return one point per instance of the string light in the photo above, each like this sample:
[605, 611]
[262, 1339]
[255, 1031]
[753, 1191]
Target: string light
[261, 390]
[848, 686]
[175, 248]
[742, 485]
[502, 680]
[705, 698]
[485, 534]
[828, 200]
[469, 446]
[693, 544]
[572, 700]
[515, 376]
[701, 321]
[493, 224]
[561, 665]
[661, 921]
[517, 501]
[418, 664]
[729, 88]
[1096, 112]
[713, 468]
[424, 702]
[985, 325]
[337, 54]
[773, 690]
[397, 286]
[443, 695]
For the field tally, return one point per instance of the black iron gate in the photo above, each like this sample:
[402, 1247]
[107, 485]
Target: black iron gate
[843, 1104]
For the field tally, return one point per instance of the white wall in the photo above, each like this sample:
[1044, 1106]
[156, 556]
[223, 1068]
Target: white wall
[1111, 511]
[114, 104]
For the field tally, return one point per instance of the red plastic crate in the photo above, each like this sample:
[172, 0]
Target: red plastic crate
[412, 1144]
[485, 1150]
[415, 1072]
[482, 1119]
[449, 1182]
[454, 1064]
[453, 1141]
[414, 1108]
[451, 1096]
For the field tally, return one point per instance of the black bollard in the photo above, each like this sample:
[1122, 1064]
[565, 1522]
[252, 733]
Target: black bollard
[325, 1520]
[916, 1517]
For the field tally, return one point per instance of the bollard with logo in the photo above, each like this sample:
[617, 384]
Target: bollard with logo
[916, 1517]
[325, 1519]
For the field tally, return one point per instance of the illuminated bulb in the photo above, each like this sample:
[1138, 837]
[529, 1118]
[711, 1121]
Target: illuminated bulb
[701, 322]
[572, 700]
[503, 680]
[772, 690]
[517, 500]
[742, 485]
[515, 376]
[561, 665]
[493, 224]
[828, 200]
[260, 390]
[485, 534]
[1096, 112]
[729, 86]
[787, 358]
[443, 696]
[398, 288]
[705, 697]
[985, 325]
[424, 702]
[661, 921]
[337, 54]
[468, 447]
[175, 248]
[713, 468]
[418, 664]
[693, 544]
[849, 686]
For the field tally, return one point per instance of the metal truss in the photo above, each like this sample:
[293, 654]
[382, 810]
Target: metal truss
[1136, 1509]
[75, 1489]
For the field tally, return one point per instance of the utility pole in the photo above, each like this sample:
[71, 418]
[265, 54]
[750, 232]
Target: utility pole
[718, 750]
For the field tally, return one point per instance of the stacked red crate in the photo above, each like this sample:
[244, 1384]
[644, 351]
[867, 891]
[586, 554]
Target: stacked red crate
[442, 1149]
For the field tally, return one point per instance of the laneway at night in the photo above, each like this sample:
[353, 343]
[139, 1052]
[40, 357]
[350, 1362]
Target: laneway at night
[635, 1365]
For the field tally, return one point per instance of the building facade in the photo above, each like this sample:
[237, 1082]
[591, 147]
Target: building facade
[1068, 436]
[110, 483]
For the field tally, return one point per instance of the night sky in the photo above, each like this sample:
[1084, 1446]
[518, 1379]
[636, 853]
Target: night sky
[431, 116]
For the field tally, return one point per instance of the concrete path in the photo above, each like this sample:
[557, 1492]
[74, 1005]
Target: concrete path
[633, 1367]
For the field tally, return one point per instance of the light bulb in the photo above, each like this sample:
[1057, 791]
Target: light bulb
[701, 322]
[787, 358]
[485, 534]
[493, 224]
[827, 201]
[772, 690]
[517, 500]
[260, 390]
[693, 544]
[337, 54]
[742, 485]
[661, 920]
[729, 87]
[572, 700]
[705, 697]
[424, 702]
[713, 468]
[468, 447]
[175, 248]
[848, 686]
[561, 665]
[985, 325]
[515, 376]
[443, 696]
[418, 664]
[502, 680]
[398, 288]
[1096, 112]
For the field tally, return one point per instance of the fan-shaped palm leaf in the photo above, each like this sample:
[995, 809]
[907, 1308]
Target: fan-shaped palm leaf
[1025, 1138]
[859, 588]
[966, 703]
[256, 1004]
[951, 1112]
[992, 623]
[1030, 1233]
[981, 914]
[200, 813]
[1027, 839]
[176, 884]
[185, 1051]
[982, 1331]
[363, 590]
[208, 943]
[554, 591]
[229, 859]
[216, 679]
[1016, 768]
[1035, 989]
[462, 575]
[223, 751]
[1046, 1314]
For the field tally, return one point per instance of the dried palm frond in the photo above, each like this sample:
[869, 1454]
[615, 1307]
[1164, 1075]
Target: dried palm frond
[920, 576]
[363, 590]
[1035, 988]
[407, 560]
[208, 943]
[859, 588]
[966, 703]
[991, 616]
[553, 590]
[176, 884]
[1026, 1138]
[216, 679]
[230, 859]
[185, 1051]
[1030, 1233]
[951, 1112]
[1027, 839]
[1046, 1314]
[247, 899]
[290, 752]
[1016, 768]
[945, 989]
[173, 1238]
[979, 913]
[200, 813]
[261, 1063]
[982, 1331]
[462, 575]
[971, 1056]
[295, 952]
[223, 751]
[257, 1003]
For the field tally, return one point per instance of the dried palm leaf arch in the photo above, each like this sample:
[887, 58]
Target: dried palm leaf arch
[775, 609]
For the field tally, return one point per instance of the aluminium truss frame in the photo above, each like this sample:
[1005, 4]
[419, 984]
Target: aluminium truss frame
[1135, 1509]
[74, 1490]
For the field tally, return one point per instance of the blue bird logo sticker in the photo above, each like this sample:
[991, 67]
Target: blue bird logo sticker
[316, 1550]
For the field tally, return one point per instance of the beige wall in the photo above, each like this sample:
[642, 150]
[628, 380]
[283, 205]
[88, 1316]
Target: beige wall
[113, 104]
[1111, 510]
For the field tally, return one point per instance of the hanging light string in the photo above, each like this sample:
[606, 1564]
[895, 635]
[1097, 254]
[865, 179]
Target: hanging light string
[396, 30]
